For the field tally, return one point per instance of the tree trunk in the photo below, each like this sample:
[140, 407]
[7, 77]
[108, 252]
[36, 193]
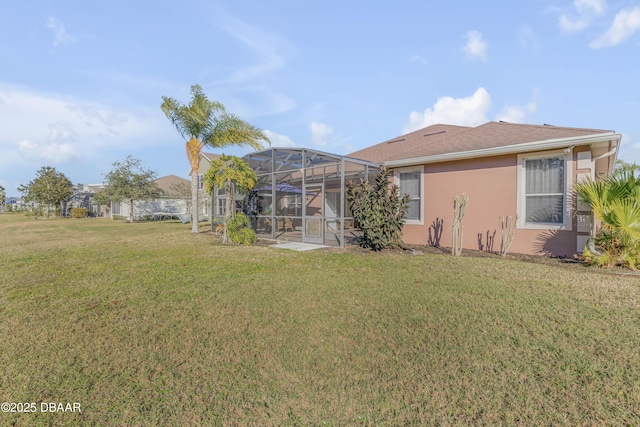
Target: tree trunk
[193, 147]
[131, 211]
[228, 209]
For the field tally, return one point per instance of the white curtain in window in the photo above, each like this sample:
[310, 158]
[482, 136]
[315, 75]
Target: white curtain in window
[544, 179]
[410, 184]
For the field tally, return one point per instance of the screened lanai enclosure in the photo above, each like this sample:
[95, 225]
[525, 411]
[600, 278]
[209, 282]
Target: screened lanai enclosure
[301, 195]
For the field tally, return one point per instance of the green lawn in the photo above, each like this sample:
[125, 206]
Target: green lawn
[148, 324]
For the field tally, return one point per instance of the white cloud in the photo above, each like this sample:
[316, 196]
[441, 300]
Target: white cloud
[596, 7]
[50, 152]
[586, 10]
[278, 140]
[67, 128]
[60, 35]
[516, 113]
[625, 24]
[469, 111]
[321, 134]
[475, 46]
[572, 25]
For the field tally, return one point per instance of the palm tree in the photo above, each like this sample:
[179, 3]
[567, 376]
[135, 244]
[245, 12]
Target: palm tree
[206, 123]
[224, 172]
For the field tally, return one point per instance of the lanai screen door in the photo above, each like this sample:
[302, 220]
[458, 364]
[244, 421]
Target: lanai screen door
[314, 215]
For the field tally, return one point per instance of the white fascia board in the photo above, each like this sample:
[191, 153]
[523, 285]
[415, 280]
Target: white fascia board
[549, 144]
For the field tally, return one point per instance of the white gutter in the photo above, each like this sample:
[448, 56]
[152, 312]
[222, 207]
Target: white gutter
[548, 144]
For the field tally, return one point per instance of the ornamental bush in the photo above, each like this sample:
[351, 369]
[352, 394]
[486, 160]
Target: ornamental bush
[378, 211]
[79, 213]
[239, 230]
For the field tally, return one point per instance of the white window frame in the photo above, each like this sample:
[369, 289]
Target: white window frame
[396, 181]
[568, 185]
[200, 182]
[221, 205]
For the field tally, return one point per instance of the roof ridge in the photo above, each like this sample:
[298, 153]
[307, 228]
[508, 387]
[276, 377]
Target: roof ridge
[545, 126]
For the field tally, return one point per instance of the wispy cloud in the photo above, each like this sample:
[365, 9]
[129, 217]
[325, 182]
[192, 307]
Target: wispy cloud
[469, 111]
[417, 59]
[269, 54]
[60, 34]
[528, 38]
[476, 47]
[40, 126]
[597, 7]
[518, 113]
[267, 49]
[48, 152]
[278, 140]
[581, 18]
[625, 24]
[321, 134]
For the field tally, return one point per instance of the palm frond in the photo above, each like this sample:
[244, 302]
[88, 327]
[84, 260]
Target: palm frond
[229, 129]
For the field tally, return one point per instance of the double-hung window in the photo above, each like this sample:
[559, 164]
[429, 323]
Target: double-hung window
[543, 183]
[410, 183]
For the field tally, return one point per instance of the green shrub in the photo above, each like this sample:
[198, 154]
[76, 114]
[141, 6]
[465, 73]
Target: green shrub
[119, 217]
[34, 211]
[239, 230]
[378, 211]
[79, 213]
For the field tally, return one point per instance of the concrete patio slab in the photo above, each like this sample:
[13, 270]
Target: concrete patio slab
[296, 246]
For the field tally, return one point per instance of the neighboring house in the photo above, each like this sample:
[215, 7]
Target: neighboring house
[204, 198]
[174, 200]
[525, 171]
[14, 204]
[82, 197]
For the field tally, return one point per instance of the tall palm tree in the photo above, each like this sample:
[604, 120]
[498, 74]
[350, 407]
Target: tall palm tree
[206, 123]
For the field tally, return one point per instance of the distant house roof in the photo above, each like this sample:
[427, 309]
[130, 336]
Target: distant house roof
[210, 156]
[168, 184]
[441, 142]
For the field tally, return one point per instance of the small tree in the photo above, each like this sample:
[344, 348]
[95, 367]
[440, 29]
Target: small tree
[48, 189]
[459, 209]
[3, 198]
[128, 181]
[225, 172]
[378, 211]
[507, 233]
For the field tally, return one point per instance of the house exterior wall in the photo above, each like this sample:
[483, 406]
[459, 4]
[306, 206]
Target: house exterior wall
[204, 198]
[492, 186]
[147, 208]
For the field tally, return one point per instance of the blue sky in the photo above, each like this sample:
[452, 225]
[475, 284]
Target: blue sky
[81, 82]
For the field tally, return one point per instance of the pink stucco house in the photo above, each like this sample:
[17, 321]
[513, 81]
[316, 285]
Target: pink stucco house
[526, 171]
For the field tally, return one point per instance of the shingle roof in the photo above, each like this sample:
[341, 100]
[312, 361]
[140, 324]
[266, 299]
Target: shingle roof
[445, 139]
[168, 183]
[210, 156]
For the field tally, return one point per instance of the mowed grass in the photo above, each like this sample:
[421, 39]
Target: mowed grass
[148, 324]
